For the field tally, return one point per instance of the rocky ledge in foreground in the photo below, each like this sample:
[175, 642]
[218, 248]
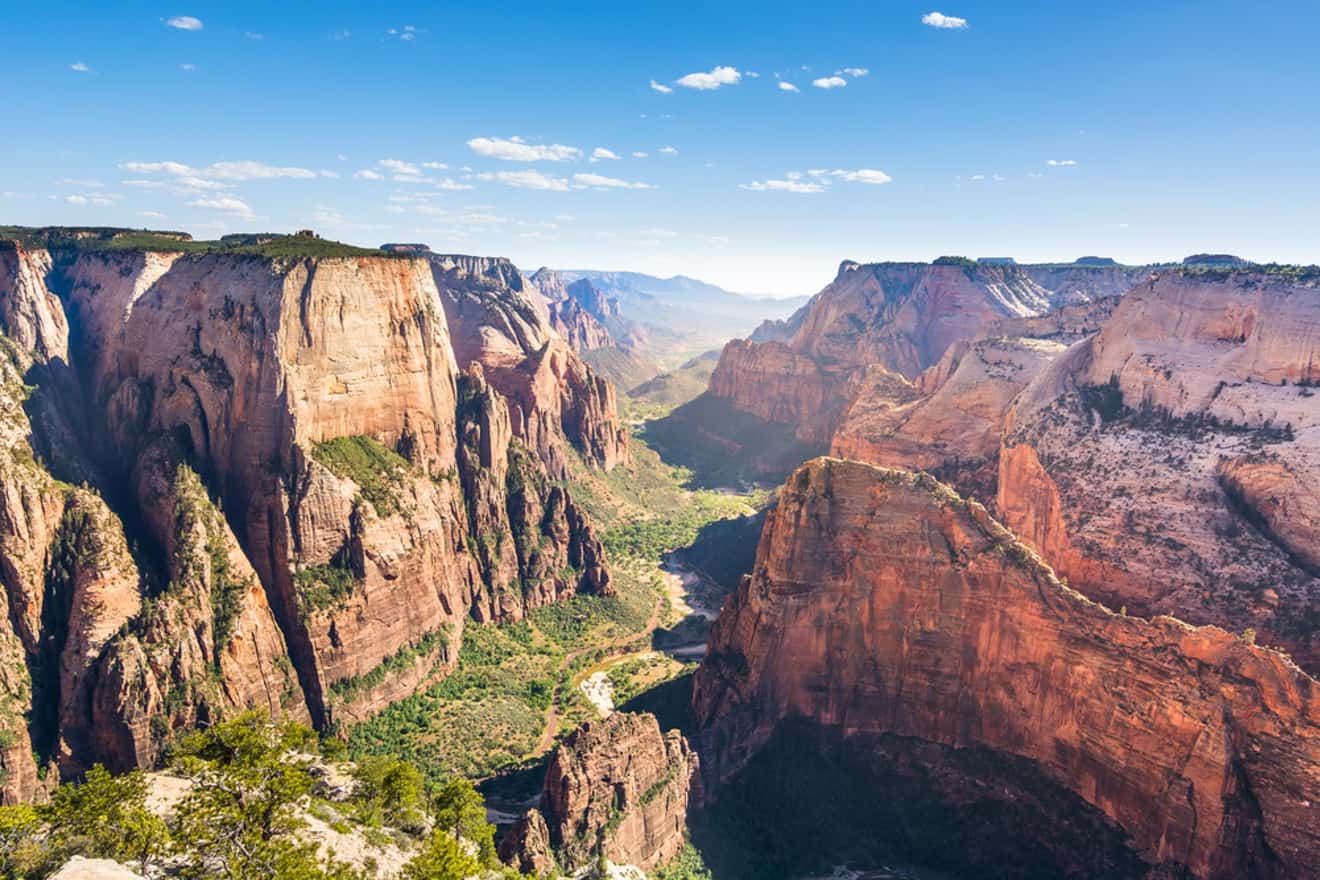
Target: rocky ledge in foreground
[882, 603]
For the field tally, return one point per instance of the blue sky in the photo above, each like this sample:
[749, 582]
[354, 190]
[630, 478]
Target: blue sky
[1173, 127]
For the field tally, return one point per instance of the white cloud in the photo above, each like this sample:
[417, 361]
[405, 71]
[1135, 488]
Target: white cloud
[669, 151]
[253, 35]
[1060, 163]
[368, 174]
[786, 185]
[326, 172]
[786, 86]
[184, 179]
[185, 23]
[80, 67]
[660, 87]
[978, 177]
[449, 183]
[341, 35]
[188, 67]
[94, 199]
[752, 74]
[81, 183]
[517, 150]
[603, 182]
[435, 166]
[940, 20]
[640, 155]
[862, 175]
[151, 215]
[704, 82]
[855, 72]
[227, 204]
[398, 166]
[829, 82]
[658, 233]
[526, 180]
[601, 153]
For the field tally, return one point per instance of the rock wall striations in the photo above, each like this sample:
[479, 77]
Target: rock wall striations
[881, 602]
[292, 495]
[616, 786]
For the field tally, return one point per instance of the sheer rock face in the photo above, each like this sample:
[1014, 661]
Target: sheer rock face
[316, 401]
[617, 785]
[578, 311]
[951, 422]
[1168, 464]
[555, 400]
[882, 603]
[900, 316]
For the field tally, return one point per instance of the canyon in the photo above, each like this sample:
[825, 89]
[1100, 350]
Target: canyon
[260, 479]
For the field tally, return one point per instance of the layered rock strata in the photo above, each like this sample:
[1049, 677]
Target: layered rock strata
[881, 602]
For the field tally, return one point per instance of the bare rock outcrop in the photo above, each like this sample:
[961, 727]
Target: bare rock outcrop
[616, 786]
[881, 602]
[555, 400]
[900, 316]
[1167, 463]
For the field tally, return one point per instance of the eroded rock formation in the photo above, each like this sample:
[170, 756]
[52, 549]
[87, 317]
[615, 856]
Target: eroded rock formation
[616, 786]
[1169, 463]
[882, 603]
[900, 316]
[294, 497]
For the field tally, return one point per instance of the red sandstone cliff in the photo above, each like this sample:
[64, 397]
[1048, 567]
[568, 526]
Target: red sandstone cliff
[881, 602]
[900, 316]
[616, 786]
[374, 496]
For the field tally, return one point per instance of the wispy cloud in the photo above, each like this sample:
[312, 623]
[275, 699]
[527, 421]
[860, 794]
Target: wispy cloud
[716, 77]
[225, 204]
[80, 67]
[254, 35]
[817, 179]
[784, 185]
[602, 182]
[639, 154]
[660, 87]
[407, 33]
[600, 153]
[80, 183]
[669, 151]
[1060, 163]
[368, 174]
[398, 166]
[181, 179]
[862, 175]
[516, 149]
[188, 67]
[151, 215]
[98, 200]
[184, 23]
[829, 82]
[786, 86]
[940, 20]
[526, 180]
[854, 72]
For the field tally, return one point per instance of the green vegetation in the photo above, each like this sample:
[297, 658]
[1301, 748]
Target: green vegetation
[251, 787]
[513, 680]
[111, 240]
[325, 585]
[687, 865]
[377, 470]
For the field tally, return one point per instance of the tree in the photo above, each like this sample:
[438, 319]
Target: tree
[22, 851]
[390, 791]
[241, 818]
[443, 857]
[106, 817]
[460, 810]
